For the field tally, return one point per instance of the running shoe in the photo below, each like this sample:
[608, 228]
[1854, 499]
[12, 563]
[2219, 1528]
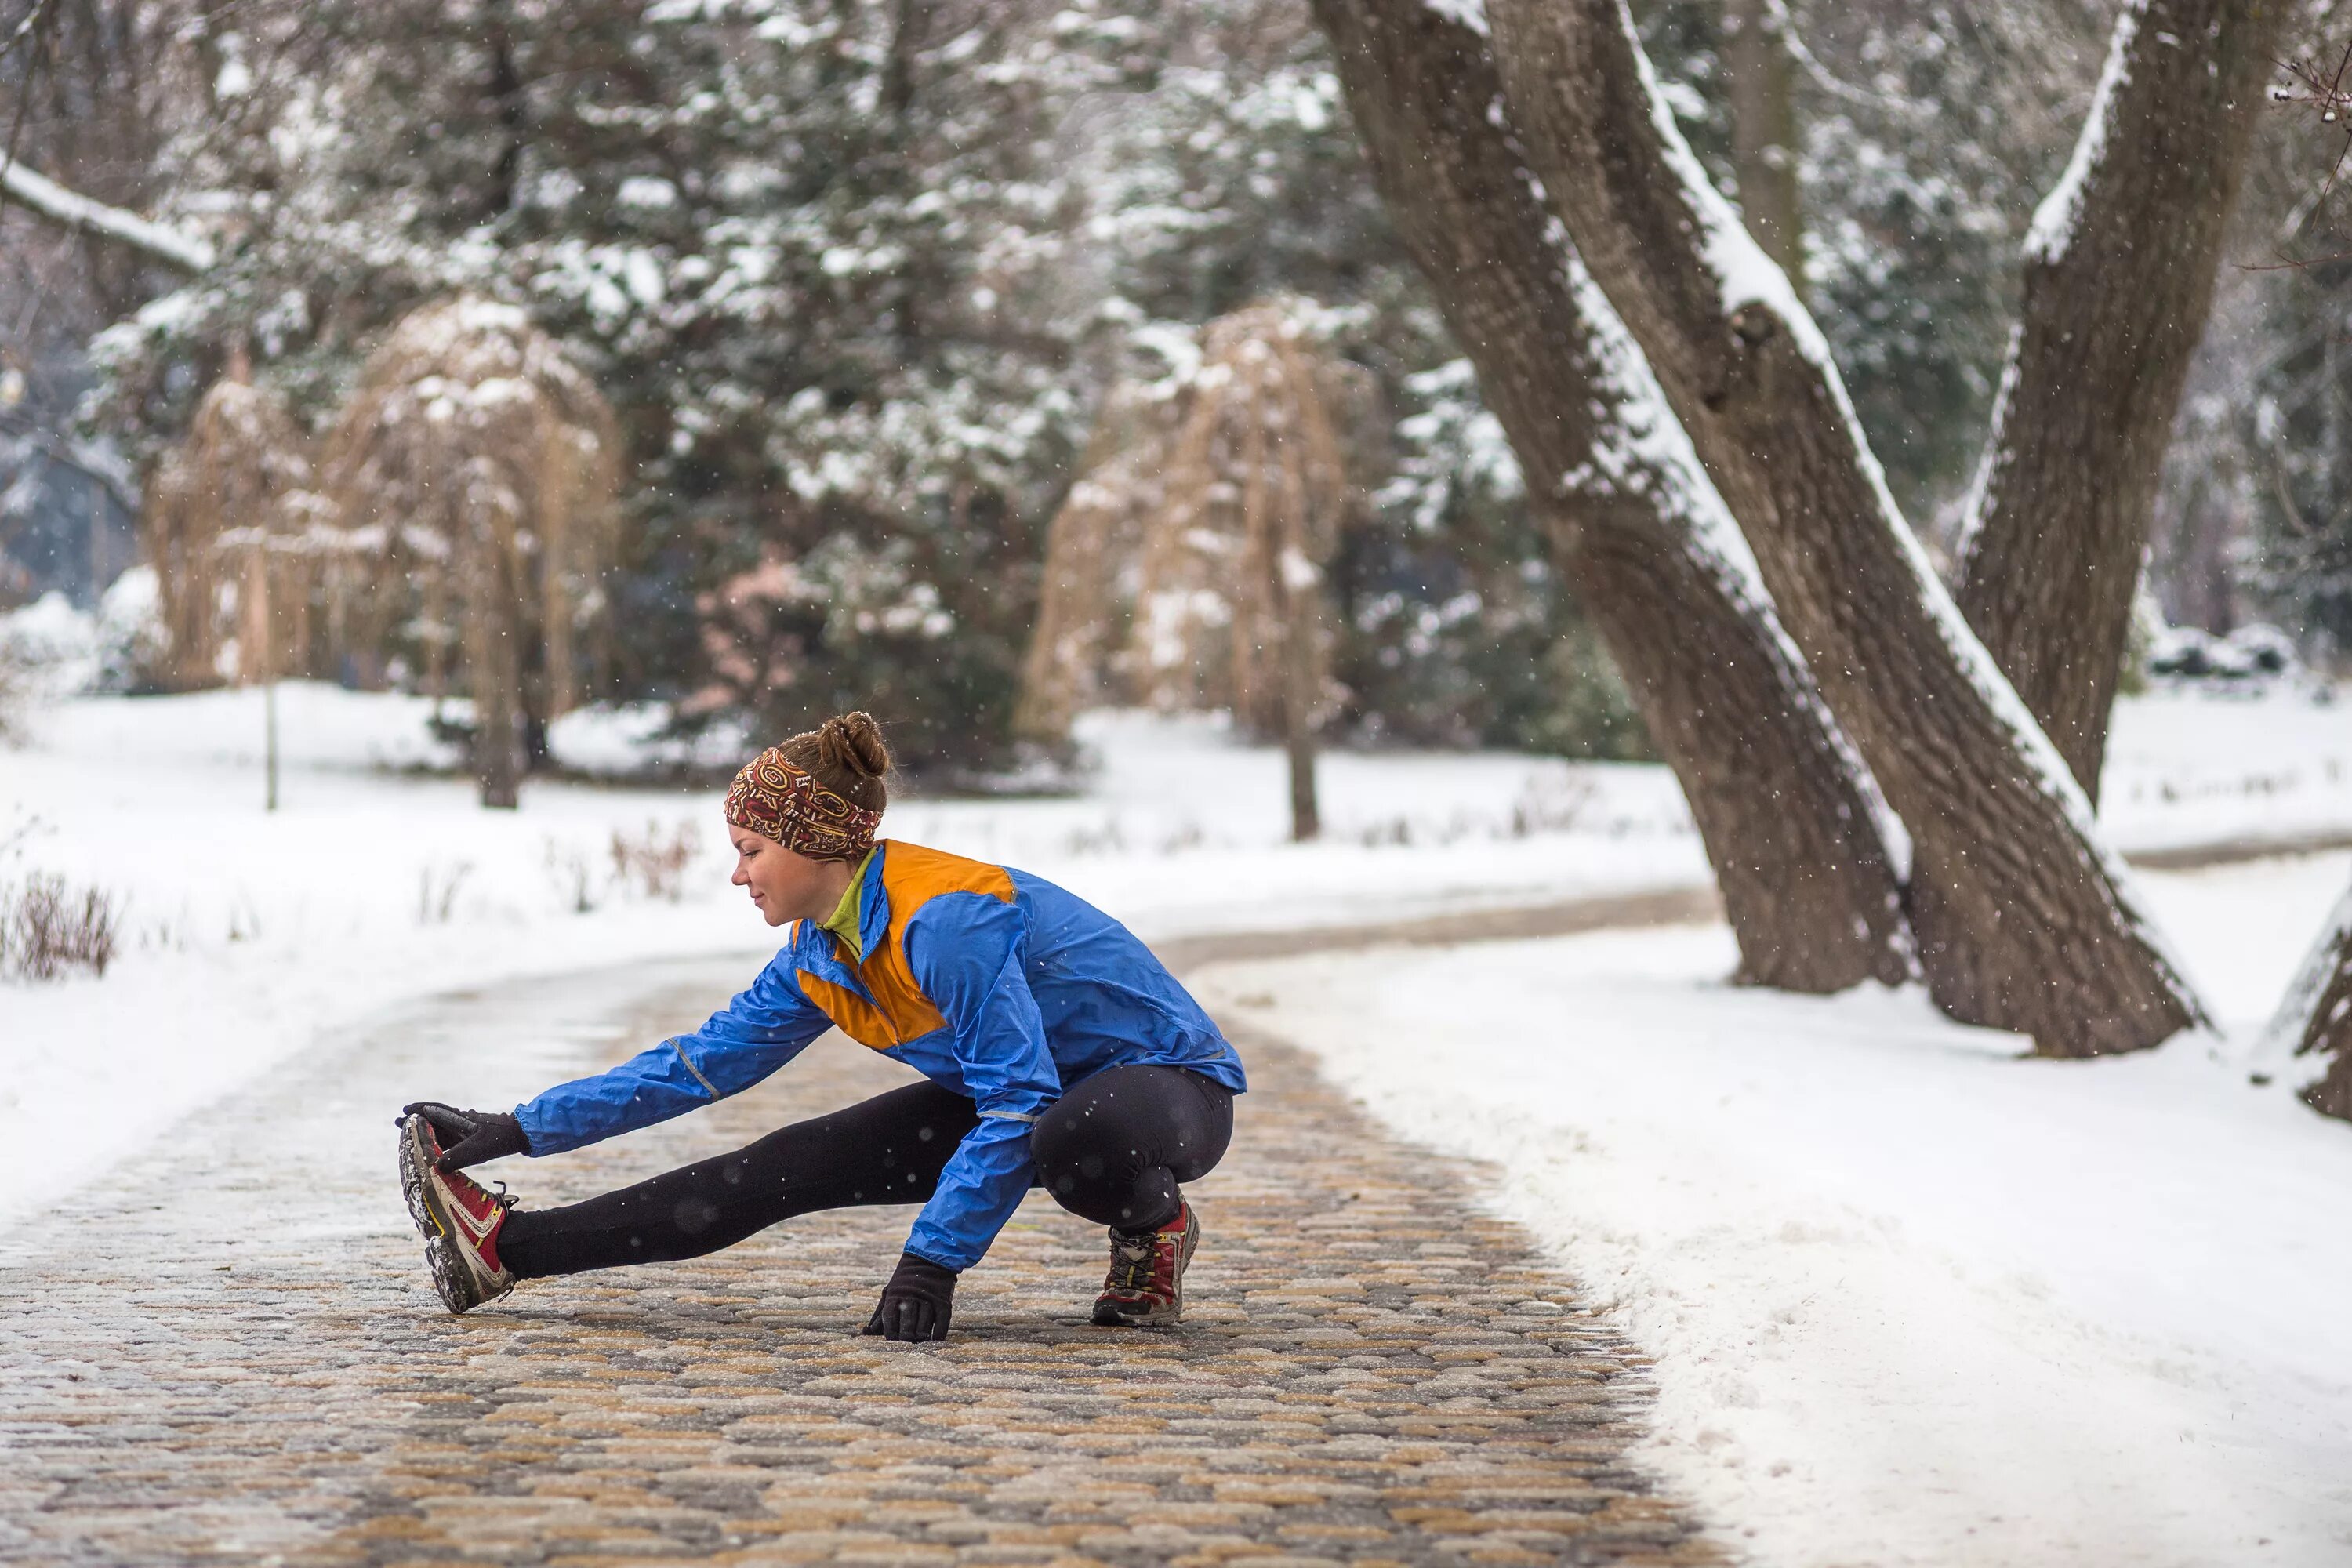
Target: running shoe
[1146, 1285]
[458, 1219]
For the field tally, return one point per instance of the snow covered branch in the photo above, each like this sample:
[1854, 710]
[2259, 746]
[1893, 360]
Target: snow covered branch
[2312, 1032]
[45, 198]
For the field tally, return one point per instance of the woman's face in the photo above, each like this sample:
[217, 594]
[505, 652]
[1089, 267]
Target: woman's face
[785, 886]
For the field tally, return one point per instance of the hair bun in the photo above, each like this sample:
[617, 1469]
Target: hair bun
[853, 741]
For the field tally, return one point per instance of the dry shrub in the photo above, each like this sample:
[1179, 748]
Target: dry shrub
[480, 466]
[1550, 805]
[230, 521]
[50, 928]
[437, 886]
[653, 864]
[572, 875]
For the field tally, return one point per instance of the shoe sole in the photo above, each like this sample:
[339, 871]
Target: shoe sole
[460, 1289]
[1109, 1316]
[415, 1158]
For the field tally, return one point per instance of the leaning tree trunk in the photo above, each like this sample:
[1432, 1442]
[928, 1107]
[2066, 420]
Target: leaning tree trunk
[1786, 812]
[2024, 920]
[2311, 1034]
[2118, 275]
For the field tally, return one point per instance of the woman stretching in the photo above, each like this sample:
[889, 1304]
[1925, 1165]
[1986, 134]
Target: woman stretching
[1058, 1053]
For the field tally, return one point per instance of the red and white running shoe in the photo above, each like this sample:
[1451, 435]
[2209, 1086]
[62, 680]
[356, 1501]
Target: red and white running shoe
[458, 1217]
[1146, 1285]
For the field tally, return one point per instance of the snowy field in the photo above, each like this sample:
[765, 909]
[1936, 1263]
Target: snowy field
[1913, 1299]
[250, 934]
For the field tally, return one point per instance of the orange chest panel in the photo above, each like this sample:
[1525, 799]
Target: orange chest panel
[899, 1011]
[903, 1012]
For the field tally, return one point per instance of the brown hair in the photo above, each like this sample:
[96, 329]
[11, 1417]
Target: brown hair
[846, 756]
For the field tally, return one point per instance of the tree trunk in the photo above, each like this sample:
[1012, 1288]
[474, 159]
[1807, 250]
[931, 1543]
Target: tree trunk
[2118, 277]
[2024, 920]
[505, 92]
[2312, 1031]
[257, 628]
[494, 668]
[1755, 70]
[1302, 693]
[1305, 819]
[1785, 810]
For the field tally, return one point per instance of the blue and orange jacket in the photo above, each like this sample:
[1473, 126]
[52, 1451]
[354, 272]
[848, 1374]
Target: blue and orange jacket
[996, 985]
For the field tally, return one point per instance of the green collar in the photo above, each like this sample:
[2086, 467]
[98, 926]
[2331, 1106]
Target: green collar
[842, 921]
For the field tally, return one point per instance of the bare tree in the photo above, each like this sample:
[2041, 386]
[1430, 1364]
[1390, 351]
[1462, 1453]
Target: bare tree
[1093, 542]
[214, 505]
[2119, 268]
[1790, 818]
[2024, 920]
[484, 463]
[1231, 606]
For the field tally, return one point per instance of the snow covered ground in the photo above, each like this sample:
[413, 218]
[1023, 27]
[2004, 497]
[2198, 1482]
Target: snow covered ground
[1913, 1299]
[1907, 1294]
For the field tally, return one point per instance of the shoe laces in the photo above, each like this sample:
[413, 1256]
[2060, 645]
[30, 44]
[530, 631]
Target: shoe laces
[1132, 1260]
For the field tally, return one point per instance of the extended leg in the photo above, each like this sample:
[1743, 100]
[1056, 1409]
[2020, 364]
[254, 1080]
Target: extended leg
[887, 1150]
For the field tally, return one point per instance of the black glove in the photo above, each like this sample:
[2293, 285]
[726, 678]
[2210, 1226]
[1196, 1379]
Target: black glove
[470, 1137]
[917, 1303]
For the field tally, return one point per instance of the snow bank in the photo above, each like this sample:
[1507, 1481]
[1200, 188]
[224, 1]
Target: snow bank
[1912, 1300]
[2191, 766]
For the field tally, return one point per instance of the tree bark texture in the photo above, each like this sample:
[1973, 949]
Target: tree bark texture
[2313, 1028]
[1757, 81]
[1782, 804]
[2118, 278]
[494, 661]
[2023, 920]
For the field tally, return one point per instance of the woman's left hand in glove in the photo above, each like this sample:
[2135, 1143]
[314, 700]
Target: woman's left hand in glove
[917, 1303]
[470, 1137]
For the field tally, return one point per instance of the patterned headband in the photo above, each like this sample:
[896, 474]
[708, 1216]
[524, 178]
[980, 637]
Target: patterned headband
[777, 800]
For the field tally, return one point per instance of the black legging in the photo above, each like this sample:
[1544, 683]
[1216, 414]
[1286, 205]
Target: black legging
[1112, 1149]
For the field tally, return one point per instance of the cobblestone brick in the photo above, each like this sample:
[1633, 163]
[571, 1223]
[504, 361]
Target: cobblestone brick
[220, 1357]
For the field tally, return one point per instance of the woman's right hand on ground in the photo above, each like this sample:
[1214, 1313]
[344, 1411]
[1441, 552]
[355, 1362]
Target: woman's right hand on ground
[470, 1137]
[917, 1303]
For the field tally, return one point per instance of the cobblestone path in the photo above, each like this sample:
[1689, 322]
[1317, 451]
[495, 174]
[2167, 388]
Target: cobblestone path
[230, 1352]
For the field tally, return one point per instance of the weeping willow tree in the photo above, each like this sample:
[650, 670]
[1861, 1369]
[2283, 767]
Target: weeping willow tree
[231, 530]
[480, 464]
[1088, 582]
[1231, 606]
